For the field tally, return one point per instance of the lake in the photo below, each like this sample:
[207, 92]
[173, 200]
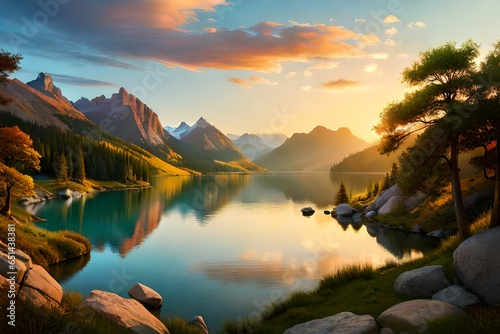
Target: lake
[222, 246]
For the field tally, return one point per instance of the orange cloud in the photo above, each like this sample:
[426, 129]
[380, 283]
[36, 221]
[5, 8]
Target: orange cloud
[241, 82]
[318, 66]
[341, 84]
[161, 13]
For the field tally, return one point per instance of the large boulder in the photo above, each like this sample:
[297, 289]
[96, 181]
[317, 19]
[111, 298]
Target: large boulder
[421, 283]
[384, 197]
[457, 296]
[9, 265]
[64, 193]
[394, 206]
[341, 323]
[40, 280]
[344, 210]
[413, 316]
[145, 295]
[477, 265]
[414, 200]
[36, 298]
[128, 313]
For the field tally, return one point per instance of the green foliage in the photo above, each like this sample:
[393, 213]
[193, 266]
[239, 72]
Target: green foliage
[9, 63]
[342, 196]
[346, 274]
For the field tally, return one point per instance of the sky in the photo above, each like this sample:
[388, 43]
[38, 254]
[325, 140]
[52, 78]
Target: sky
[257, 66]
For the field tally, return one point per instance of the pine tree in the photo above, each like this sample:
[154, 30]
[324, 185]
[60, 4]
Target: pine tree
[394, 174]
[69, 165]
[342, 196]
[387, 182]
[60, 167]
[79, 167]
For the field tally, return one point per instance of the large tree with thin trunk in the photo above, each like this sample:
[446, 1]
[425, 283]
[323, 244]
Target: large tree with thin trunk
[9, 63]
[17, 157]
[438, 108]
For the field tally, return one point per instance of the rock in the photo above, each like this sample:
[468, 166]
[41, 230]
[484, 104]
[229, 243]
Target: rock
[5, 267]
[345, 322]
[394, 206]
[128, 313]
[64, 193]
[440, 234]
[33, 297]
[372, 229]
[344, 210]
[417, 229]
[199, 322]
[421, 283]
[76, 194]
[371, 214]
[307, 211]
[413, 316]
[413, 201]
[357, 218]
[457, 296]
[384, 196]
[327, 212]
[40, 280]
[145, 295]
[386, 330]
[477, 265]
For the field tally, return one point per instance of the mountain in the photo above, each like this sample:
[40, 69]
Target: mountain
[45, 85]
[252, 146]
[182, 130]
[125, 116]
[205, 147]
[43, 105]
[57, 129]
[317, 150]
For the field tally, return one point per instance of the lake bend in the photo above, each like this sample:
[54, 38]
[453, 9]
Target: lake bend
[222, 246]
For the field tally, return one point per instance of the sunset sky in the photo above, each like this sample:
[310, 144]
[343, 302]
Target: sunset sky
[245, 65]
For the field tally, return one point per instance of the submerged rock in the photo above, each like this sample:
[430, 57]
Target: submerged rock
[345, 210]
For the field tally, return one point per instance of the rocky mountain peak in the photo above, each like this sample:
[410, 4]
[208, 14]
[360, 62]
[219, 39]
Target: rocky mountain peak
[45, 85]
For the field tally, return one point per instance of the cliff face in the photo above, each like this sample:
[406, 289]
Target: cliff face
[45, 85]
[125, 116]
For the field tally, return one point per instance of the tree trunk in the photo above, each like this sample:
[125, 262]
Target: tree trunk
[495, 211]
[458, 202]
[6, 208]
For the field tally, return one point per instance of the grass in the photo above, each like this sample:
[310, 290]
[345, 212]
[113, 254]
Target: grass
[44, 247]
[362, 289]
[180, 326]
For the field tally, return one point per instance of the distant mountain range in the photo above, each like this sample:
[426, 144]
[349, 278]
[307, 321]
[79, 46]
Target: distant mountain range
[200, 147]
[317, 150]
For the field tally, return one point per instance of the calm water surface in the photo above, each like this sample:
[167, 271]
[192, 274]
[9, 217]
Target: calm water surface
[222, 246]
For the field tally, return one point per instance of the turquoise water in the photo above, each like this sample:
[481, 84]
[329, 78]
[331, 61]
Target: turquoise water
[222, 246]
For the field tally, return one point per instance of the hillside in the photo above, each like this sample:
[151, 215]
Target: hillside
[59, 130]
[317, 150]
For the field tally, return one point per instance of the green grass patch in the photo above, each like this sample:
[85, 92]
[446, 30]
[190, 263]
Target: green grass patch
[180, 326]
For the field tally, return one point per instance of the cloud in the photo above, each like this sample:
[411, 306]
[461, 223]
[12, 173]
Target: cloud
[154, 30]
[390, 42]
[341, 84]
[370, 68]
[360, 20]
[306, 88]
[78, 81]
[418, 24]
[241, 82]
[291, 74]
[391, 31]
[403, 55]
[321, 65]
[391, 19]
[262, 80]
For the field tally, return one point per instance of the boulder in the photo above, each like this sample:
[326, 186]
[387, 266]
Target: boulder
[327, 212]
[414, 315]
[417, 229]
[128, 313]
[414, 200]
[477, 265]
[457, 296]
[440, 234]
[36, 298]
[384, 197]
[345, 322]
[40, 280]
[394, 206]
[64, 193]
[370, 214]
[145, 295]
[357, 218]
[20, 266]
[421, 283]
[344, 210]
[200, 323]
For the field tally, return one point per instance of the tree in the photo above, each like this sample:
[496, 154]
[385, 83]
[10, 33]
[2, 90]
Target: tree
[394, 174]
[60, 167]
[17, 157]
[79, 167]
[386, 183]
[341, 196]
[438, 108]
[9, 63]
